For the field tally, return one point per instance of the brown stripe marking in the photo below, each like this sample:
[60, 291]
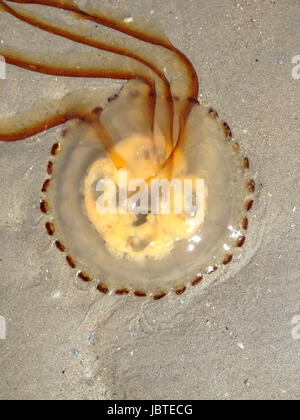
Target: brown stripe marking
[240, 242]
[228, 258]
[249, 205]
[60, 246]
[44, 206]
[122, 292]
[140, 293]
[50, 228]
[251, 186]
[227, 130]
[245, 223]
[246, 163]
[197, 280]
[70, 261]
[55, 149]
[194, 101]
[102, 288]
[180, 290]
[46, 186]
[50, 168]
[159, 295]
[97, 111]
[84, 277]
[113, 98]
[213, 114]
[236, 147]
[214, 269]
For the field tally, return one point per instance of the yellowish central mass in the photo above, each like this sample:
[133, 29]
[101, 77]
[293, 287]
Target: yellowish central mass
[140, 236]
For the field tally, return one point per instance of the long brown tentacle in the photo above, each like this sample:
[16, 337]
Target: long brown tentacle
[122, 27]
[62, 118]
[50, 28]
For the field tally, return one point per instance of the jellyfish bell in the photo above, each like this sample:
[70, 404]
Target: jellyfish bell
[157, 251]
[156, 131]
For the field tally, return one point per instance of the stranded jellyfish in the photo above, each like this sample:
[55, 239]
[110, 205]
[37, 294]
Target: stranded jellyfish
[150, 139]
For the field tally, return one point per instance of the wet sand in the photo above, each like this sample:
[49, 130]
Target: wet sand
[232, 340]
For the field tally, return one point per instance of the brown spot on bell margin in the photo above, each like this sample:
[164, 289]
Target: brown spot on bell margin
[212, 270]
[97, 110]
[194, 101]
[249, 205]
[251, 186]
[50, 228]
[44, 206]
[122, 292]
[113, 98]
[70, 261]
[246, 163]
[46, 185]
[245, 223]
[140, 293]
[84, 277]
[197, 280]
[227, 130]
[180, 290]
[50, 168]
[60, 246]
[228, 258]
[159, 295]
[102, 288]
[240, 242]
[236, 147]
[213, 114]
[55, 149]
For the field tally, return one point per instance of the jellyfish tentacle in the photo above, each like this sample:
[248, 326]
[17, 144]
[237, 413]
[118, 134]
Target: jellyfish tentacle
[70, 34]
[161, 41]
[121, 26]
[61, 115]
[20, 60]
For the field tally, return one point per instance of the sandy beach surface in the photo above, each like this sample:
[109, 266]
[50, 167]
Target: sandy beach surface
[238, 338]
